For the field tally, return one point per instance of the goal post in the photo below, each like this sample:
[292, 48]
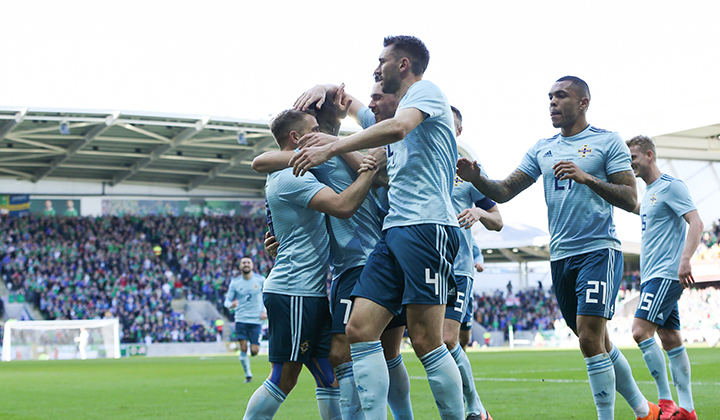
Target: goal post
[61, 339]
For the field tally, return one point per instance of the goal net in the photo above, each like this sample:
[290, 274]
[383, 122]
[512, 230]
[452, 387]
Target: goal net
[46, 340]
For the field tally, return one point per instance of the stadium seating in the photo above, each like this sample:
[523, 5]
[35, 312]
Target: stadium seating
[84, 268]
[531, 309]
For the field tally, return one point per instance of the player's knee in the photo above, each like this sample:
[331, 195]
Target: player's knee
[464, 338]
[450, 339]
[254, 351]
[641, 334]
[339, 356]
[671, 339]
[356, 333]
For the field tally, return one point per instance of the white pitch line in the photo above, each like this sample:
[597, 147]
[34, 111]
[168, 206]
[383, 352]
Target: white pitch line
[560, 381]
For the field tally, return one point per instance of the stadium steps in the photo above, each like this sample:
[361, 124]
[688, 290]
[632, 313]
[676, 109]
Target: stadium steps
[16, 310]
[34, 312]
[3, 289]
[201, 312]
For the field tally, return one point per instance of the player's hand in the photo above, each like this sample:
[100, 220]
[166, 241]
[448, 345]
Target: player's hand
[469, 217]
[308, 158]
[369, 163]
[234, 304]
[263, 316]
[380, 155]
[314, 94]
[685, 274]
[468, 170]
[271, 245]
[341, 102]
[569, 170]
[316, 139]
[479, 267]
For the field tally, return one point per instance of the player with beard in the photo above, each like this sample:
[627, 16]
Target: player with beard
[412, 266]
[586, 171]
[244, 297]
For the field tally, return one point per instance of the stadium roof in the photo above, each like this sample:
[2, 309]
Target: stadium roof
[701, 143]
[114, 147]
[514, 243]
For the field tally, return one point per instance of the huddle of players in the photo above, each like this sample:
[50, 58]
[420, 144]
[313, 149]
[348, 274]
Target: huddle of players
[402, 269]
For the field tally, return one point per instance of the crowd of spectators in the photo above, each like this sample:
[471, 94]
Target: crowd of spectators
[127, 267]
[132, 267]
[710, 243]
[531, 309]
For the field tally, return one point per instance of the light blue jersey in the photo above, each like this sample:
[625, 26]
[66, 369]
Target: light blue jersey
[421, 167]
[248, 293]
[365, 117]
[580, 220]
[663, 206]
[353, 239]
[464, 196]
[477, 253]
[301, 264]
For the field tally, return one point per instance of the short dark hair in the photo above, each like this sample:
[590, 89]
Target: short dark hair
[327, 117]
[456, 112]
[411, 47]
[578, 83]
[644, 143]
[283, 123]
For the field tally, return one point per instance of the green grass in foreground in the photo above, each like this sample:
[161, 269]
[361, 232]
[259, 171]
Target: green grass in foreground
[512, 385]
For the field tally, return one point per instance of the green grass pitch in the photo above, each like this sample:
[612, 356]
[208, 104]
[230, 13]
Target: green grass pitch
[512, 384]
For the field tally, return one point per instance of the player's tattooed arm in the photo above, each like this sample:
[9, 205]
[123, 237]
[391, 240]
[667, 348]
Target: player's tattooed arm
[498, 191]
[619, 190]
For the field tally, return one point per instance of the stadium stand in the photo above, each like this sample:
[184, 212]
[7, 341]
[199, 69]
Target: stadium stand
[531, 309]
[85, 267]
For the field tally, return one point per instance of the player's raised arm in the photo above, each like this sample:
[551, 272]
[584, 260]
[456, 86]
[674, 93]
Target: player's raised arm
[380, 134]
[320, 93]
[692, 241]
[498, 191]
[272, 161]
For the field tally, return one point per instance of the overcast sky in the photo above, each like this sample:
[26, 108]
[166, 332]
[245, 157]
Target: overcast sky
[652, 66]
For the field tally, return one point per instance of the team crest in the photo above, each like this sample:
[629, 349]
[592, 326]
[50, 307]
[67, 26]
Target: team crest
[256, 287]
[458, 181]
[653, 200]
[304, 347]
[584, 151]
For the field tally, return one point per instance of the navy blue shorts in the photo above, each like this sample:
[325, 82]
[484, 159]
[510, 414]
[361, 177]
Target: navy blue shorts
[341, 301]
[658, 303]
[298, 327]
[587, 284]
[411, 265]
[248, 332]
[459, 311]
